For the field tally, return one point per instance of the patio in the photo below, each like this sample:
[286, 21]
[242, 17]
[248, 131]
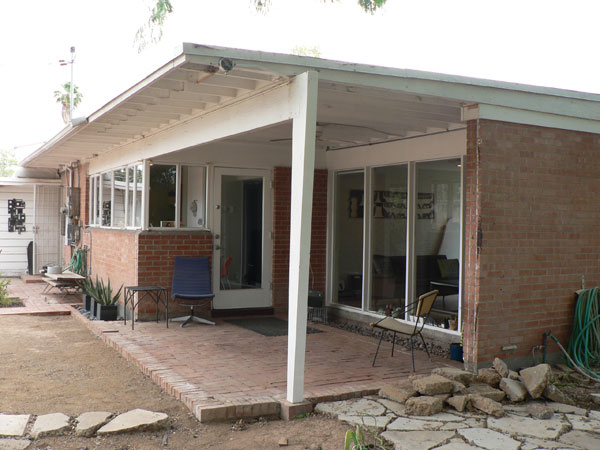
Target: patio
[226, 372]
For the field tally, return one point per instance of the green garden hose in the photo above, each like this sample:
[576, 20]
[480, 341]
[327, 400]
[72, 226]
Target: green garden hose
[78, 263]
[584, 346]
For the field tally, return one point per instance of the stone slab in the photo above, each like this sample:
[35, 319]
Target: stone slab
[526, 426]
[135, 420]
[89, 422]
[13, 424]
[536, 379]
[567, 409]
[393, 407]
[489, 439]
[417, 440]
[582, 423]
[514, 390]
[485, 390]
[408, 424]
[399, 391]
[468, 423]
[50, 425]
[581, 439]
[424, 406]
[14, 444]
[455, 374]
[379, 422]
[433, 384]
[457, 445]
[500, 367]
[354, 407]
[541, 444]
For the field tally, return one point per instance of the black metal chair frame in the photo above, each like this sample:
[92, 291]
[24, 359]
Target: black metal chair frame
[423, 310]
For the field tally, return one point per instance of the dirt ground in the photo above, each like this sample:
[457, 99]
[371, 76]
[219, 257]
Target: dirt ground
[54, 364]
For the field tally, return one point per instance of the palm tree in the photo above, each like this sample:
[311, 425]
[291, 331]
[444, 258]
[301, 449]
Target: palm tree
[63, 97]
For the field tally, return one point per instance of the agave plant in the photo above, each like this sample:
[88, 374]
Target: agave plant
[103, 293]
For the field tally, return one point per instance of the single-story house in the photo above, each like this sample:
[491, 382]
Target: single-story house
[370, 184]
[30, 221]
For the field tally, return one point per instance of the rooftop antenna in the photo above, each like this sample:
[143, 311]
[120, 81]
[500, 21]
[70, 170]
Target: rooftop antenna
[64, 63]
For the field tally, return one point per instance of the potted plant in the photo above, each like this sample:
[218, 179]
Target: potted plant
[87, 288]
[106, 300]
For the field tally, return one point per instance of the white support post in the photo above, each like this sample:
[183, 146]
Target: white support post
[303, 167]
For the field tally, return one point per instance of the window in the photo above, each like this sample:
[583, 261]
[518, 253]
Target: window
[106, 199]
[134, 195]
[389, 219]
[163, 180]
[116, 198]
[120, 190]
[177, 196]
[403, 210]
[348, 245]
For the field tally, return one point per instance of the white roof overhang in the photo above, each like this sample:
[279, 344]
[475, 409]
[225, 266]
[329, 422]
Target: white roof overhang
[357, 104]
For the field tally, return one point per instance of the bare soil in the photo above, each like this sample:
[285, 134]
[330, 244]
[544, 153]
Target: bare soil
[54, 364]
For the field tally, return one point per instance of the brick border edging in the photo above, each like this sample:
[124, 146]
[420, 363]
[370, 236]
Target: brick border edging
[203, 405]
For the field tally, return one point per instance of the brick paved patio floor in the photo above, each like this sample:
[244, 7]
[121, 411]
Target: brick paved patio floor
[37, 303]
[225, 372]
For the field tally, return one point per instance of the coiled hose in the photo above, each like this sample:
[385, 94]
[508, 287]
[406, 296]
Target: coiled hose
[584, 346]
[78, 263]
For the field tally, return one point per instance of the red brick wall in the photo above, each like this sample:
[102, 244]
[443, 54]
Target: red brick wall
[114, 256]
[157, 251]
[282, 181]
[531, 232]
[133, 258]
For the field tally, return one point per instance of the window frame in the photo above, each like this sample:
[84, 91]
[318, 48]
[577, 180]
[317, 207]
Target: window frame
[178, 167]
[410, 287]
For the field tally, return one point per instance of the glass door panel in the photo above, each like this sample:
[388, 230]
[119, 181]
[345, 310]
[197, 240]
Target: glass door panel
[242, 244]
[388, 238]
[241, 231]
[437, 234]
[348, 240]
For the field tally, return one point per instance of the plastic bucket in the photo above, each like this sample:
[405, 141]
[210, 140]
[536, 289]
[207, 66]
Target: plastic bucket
[456, 352]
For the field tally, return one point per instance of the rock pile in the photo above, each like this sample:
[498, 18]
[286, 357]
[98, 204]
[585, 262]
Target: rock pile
[425, 395]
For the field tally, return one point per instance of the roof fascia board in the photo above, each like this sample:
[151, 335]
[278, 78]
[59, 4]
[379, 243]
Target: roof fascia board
[67, 132]
[472, 90]
[503, 114]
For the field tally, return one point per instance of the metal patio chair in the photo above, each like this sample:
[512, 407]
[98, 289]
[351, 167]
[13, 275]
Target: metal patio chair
[424, 305]
[191, 283]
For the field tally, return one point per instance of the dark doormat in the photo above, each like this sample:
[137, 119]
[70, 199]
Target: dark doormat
[267, 326]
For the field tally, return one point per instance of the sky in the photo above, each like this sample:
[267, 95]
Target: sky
[545, 43]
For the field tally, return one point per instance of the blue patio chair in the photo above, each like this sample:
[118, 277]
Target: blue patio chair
[191, 283]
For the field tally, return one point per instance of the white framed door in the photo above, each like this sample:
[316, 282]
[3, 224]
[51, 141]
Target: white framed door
[243, 238]
[47, 239]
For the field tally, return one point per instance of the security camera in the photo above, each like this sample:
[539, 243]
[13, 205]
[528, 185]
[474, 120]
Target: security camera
[226, 64]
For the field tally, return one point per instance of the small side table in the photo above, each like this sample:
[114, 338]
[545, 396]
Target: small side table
[157, 293]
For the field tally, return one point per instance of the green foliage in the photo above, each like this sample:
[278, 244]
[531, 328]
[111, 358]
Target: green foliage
[78, 263]
[359, 440]
[369, 6]
[151, 31]
[7, 163]
[100, 292]
[64, 97]
[4, 283]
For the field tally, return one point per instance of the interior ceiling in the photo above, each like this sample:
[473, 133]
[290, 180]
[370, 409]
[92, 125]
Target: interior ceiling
[347, 115]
